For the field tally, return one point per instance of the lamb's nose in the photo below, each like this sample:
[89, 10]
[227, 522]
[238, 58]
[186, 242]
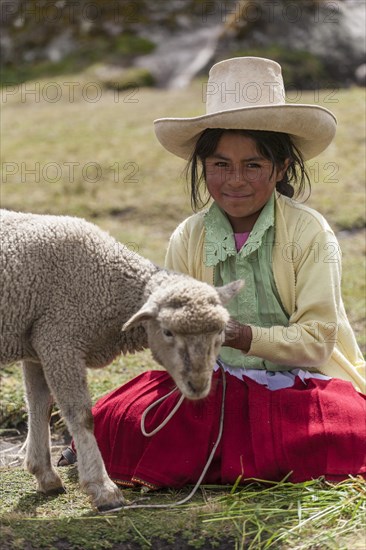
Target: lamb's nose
[197, 391]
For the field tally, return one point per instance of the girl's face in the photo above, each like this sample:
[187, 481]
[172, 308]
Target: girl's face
[239, 179]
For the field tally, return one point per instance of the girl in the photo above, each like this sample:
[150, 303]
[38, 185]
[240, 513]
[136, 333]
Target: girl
[290, 363]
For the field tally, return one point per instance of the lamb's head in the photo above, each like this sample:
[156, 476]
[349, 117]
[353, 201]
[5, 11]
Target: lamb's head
[185, 323]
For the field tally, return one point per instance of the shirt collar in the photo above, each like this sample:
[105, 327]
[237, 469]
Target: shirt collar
[219, 236]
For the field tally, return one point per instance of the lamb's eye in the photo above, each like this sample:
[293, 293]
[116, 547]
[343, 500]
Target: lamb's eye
[167, 333]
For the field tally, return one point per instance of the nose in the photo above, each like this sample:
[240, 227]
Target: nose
[236, 174]
[198, 391]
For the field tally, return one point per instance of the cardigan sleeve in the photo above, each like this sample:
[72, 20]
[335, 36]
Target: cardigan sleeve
[176, 258]
[186, 249]
[310, 337]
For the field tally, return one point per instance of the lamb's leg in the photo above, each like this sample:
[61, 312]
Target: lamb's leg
[69, 387]
[38, 456]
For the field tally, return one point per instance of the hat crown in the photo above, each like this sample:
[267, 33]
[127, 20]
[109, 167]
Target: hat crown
[247, 93]
[244, 82]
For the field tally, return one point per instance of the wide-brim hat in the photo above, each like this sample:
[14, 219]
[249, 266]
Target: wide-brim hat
[248, 93]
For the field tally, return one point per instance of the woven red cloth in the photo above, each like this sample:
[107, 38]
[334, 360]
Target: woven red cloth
[312, 429]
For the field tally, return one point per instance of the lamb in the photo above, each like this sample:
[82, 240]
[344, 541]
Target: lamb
[68, 288]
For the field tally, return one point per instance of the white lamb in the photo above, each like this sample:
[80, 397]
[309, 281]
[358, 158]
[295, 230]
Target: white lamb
[67, 290]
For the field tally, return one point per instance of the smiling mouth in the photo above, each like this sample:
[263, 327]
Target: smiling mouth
[233, 196]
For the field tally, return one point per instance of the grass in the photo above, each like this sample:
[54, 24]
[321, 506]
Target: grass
[13, 412]
[111, 51]
[99, 159]
[279, 514]
[311, 515]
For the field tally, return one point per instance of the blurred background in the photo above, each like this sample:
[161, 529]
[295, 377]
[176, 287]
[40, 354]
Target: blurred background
[320, 43]
[82, 82]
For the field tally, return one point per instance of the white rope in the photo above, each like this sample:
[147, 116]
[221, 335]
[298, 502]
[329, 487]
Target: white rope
[210, 458]
[170, 415]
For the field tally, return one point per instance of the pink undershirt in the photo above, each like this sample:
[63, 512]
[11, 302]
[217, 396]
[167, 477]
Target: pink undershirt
[241, 239]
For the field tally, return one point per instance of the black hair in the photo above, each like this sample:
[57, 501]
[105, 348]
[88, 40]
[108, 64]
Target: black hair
[274, 146]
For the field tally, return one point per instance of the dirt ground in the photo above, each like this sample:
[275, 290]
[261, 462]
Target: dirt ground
[12, 448]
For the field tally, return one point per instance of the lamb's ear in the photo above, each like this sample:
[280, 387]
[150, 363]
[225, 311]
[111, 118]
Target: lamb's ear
[148, 311]
[228, 291]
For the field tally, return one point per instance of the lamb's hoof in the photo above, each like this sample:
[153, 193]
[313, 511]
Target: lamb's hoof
[52, 485]
[114, 507]
[105, 496]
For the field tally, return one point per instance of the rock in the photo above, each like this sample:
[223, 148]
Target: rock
[60, 46]
[178, 58]
[333, 32]
[360, 75]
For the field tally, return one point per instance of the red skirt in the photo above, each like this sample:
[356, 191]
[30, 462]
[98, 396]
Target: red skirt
[313, 429]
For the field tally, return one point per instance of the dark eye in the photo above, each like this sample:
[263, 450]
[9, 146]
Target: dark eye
[167, 333]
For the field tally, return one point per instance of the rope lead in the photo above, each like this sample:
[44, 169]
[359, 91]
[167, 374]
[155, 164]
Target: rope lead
[158, 428]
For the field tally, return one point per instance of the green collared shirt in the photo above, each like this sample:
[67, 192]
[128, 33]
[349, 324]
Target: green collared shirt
[258, 303]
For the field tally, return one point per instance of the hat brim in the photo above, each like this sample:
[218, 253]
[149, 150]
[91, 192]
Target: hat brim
[311, 127]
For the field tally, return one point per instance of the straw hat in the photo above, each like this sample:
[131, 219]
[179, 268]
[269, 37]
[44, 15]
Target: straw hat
[248, 93]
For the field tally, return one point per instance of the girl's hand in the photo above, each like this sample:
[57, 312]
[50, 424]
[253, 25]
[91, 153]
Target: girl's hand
[238, 336]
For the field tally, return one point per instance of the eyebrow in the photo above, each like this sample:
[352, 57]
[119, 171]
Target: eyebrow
[222, 157]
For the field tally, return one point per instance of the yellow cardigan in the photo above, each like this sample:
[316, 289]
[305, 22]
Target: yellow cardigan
[307, 271]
